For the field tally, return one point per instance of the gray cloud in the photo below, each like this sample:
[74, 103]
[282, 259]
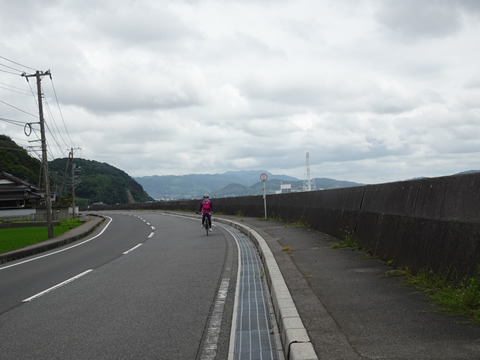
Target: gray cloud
[375, 90]
[412, 20]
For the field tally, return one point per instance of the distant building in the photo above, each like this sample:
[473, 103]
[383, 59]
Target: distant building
[284, 189]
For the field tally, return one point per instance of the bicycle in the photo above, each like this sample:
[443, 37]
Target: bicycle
[207, 221]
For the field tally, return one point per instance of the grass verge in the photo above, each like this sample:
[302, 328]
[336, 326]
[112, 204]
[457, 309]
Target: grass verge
[458, 298]
[17, 238]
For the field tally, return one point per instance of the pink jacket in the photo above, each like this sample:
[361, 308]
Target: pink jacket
[206, 206]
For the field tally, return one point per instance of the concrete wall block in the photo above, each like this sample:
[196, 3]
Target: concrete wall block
[392, 198]
[450, 198]
[450, 248]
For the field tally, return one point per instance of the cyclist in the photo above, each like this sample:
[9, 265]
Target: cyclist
[207, 210]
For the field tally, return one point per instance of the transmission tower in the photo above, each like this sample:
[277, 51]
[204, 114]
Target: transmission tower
[309, 183]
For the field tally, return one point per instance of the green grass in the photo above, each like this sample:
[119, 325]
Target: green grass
[348, 241]
[459, 298]
[16, 238]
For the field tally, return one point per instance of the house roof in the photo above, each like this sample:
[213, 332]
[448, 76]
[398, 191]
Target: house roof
[13, 188]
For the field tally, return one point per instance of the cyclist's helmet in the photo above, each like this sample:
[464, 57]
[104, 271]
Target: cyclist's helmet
[205, 196]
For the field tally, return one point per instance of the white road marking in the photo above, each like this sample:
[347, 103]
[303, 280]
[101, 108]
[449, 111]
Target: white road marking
[210, 345]
[135, 247]
[57, 286]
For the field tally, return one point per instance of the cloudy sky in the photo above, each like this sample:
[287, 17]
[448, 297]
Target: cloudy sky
[374, 90]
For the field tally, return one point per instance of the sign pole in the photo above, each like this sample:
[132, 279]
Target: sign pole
[264, 178]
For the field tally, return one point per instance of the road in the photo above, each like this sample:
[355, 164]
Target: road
[142, 287]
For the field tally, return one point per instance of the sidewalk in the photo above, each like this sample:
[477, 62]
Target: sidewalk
[351, 310]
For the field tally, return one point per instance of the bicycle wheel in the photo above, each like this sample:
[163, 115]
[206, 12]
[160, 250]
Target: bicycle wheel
[206, 226]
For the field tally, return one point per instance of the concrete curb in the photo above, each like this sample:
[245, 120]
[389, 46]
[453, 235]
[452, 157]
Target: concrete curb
[295, 340]
[67, 238]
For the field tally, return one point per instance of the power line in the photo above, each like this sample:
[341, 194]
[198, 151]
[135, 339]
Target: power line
[52, 145]
[2, 83]
[52, 117]
[54, 139]
[16, 138]
[11, 68]
[60, 110]
[14, 122]
[26, 112]
[8, 72]
[31, 91]
[12, 149]
[35, 152]
[55, 123]
[13, 89]
[16, 63]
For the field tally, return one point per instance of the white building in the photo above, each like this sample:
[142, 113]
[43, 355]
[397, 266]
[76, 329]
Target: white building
[284, 188]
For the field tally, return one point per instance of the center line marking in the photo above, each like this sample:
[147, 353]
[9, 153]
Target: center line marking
[57, 286]
[126, 252]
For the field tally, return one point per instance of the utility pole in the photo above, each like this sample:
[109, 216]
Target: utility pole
[73, 185]
[64, 176]
[73, 180]
[48, 199]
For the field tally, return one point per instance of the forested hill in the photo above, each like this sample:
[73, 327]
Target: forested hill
[99, 182]
[15, 160]
[95, 181]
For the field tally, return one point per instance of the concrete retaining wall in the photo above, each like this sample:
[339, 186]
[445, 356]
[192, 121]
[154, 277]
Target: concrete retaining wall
[17, 225]
[418, 224]
[17, 214]
[38, 214]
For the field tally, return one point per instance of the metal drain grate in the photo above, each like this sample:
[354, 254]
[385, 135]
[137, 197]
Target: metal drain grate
[253, 338]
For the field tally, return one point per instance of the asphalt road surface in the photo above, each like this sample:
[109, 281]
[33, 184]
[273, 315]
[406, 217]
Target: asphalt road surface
[142, 286]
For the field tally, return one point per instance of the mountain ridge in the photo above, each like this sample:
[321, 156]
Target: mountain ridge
[228, 184]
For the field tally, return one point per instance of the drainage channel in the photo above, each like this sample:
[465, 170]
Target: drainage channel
[254, 323]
